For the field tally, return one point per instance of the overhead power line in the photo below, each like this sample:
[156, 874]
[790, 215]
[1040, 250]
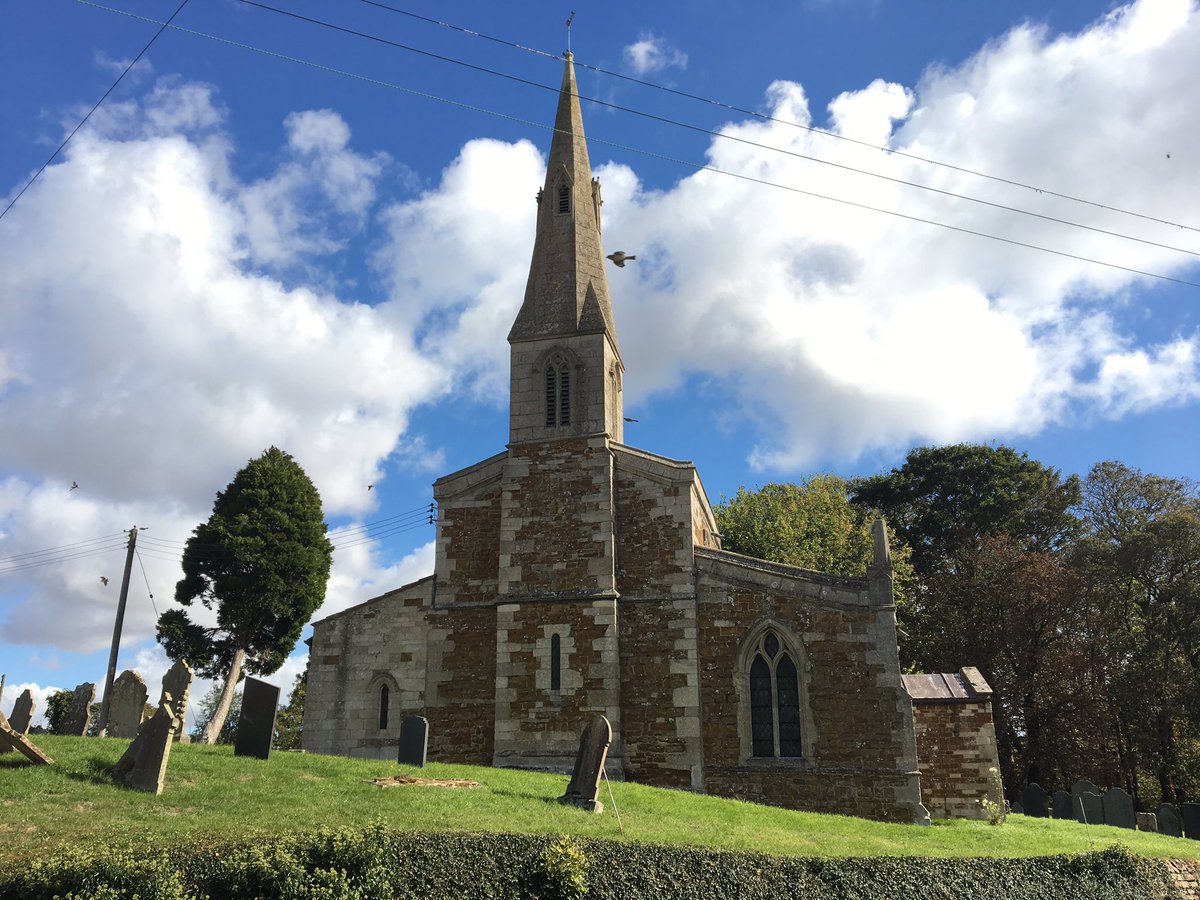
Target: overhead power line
[95, 106]
[768, 118]
[648, 153]
[716, 135]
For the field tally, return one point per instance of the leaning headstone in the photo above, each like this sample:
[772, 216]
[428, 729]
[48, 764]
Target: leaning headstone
[1118, 809]
[414, 741]
[128, 705]
[1060, 805]
[589, 766]
[1190, 814]
[178, 684]
[11, 739]
[1169, 822]
[79, 715]
[143, 766]
[1147, 822]
[18, 722]
[1089, 808]
[256, 727]
[1083, 786]
[1033, 799]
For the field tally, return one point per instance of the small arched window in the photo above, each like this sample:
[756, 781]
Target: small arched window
[383, 707]
[564, 199]
[555, 663]
[558, 392]
[774, 699]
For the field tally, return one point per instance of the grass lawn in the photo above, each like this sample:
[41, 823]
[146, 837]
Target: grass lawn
[212, 795]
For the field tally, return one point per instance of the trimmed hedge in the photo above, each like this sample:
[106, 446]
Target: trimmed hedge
[375, 864]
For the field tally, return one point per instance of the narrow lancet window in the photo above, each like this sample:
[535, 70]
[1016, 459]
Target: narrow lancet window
[383, 707]
[564, 199]
[558, 393]
[555, 663]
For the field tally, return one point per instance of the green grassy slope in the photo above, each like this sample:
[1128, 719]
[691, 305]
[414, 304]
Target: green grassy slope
[211, 794]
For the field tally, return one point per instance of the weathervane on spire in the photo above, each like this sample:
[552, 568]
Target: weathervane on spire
[569, 21]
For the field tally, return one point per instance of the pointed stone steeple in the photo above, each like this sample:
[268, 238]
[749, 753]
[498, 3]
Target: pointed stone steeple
[567, 290]
[566, 366]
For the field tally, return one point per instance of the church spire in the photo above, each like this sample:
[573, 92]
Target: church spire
[567, 290]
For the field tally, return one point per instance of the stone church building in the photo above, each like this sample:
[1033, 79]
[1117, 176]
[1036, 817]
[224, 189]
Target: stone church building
[577, 575]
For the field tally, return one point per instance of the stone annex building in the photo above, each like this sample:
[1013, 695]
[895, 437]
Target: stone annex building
[577, 575]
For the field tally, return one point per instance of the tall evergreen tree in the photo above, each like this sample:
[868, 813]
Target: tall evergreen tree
[262, 562]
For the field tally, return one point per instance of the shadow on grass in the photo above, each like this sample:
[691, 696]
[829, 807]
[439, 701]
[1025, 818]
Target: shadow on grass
[525, 795]
[96, 771]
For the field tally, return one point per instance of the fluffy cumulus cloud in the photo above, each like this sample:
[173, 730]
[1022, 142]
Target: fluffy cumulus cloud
[843, 329]
[652, 53]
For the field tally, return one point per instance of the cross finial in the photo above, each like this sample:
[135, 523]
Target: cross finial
[570, 19]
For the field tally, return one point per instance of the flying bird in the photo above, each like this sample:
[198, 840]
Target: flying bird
[620, 257]
[74, 484]
[104, 581]
[627, 419]
[370, 486]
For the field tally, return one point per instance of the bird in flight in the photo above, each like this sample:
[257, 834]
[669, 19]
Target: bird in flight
[74, 485]
[104, 581]
[620, 258]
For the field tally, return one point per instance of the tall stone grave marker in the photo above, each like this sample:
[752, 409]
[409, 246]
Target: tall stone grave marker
[143, 766]
[414, 741]
[128, 705]
[178, 684]
[19, 721]
[1060, 805]
[589, 766]
[1118, 809]
[1033, 799]
[256, 727]
[1089, 808]
[1169, 822]
[14, 740]
[79, 715]
[1190, 814]
[1083, 786]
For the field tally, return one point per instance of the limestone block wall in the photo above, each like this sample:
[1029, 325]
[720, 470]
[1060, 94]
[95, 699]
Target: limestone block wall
[596, 374]
[356, 652]
[858, 750]
[538, 726]
[956, 746]
[660, 696]
[460, 683]
[556, 526]
[467, 561]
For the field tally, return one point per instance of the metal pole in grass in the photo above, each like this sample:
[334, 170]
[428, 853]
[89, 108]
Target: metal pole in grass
[1086, 826]
[604, 769]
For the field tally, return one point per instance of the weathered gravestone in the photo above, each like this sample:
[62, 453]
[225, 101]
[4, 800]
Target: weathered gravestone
[127, 707]
[1169, 822]
[256, 727]
[1018, 808]
[1147, 822]
[1033, 799]
[1083, 786]
[11, 739]
[1089, 808]
[1118, 809]
[1189, 813]
[79, 714]
[1060, 805]
[414, 741]
[21, 716]
[143, 766]
[177, 683]
[589, 766]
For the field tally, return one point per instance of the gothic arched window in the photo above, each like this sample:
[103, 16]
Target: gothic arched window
[564, 199]
[558, 392]
[774, 699]
[383, 707]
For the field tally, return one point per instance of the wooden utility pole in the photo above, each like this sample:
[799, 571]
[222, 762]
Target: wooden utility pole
[116, 640]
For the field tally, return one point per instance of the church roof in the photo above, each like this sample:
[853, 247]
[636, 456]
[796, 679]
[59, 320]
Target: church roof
[567, 290]
[963, 686]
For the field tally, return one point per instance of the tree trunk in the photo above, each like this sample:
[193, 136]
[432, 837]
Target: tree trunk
[212, 730]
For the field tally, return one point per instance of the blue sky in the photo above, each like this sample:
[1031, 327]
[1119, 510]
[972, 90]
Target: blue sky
[241, 249]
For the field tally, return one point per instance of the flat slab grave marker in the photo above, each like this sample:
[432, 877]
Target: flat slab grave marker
[1147, 822]
[414, 741]
[143, 766]
[1033, 799]
[14, 740]
[1169, 822]
[1089, 808]
[22, 715]
[1060, 805]
[1118, 808]
[256, 727]
[79, 714]
[177, 684]
[1190, 814]
[589, 766]
[128, 705]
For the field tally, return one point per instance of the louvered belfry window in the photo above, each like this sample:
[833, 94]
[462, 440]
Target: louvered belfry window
[564, 199]
[558, 393]
[774, 700]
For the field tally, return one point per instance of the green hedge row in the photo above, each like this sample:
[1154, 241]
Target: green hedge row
[374, 864]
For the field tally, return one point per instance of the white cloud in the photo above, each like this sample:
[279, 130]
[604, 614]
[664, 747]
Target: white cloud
[651, 53]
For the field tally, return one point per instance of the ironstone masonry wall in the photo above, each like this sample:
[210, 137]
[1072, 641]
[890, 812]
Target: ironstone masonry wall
[956, 746]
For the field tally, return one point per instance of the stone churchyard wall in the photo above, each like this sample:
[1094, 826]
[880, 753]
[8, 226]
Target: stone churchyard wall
[858, 756]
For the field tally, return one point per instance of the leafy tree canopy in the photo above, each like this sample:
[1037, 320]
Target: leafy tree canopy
[946, 498]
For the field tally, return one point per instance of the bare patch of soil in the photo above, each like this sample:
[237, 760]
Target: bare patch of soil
[404, 780]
